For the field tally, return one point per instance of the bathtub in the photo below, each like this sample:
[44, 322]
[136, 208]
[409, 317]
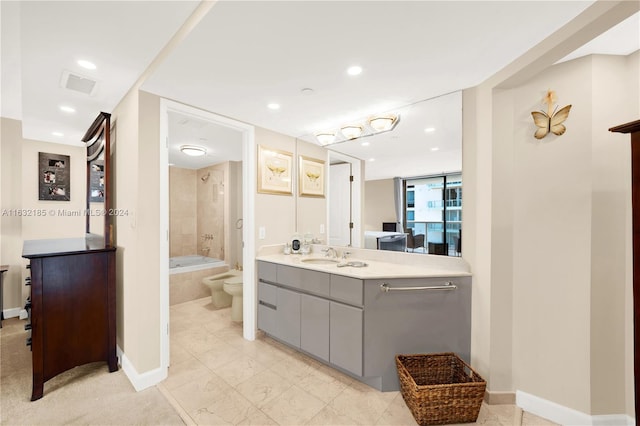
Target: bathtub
[191, 263]
[186, 274]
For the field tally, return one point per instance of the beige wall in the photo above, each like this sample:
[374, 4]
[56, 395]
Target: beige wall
[551, 276]
[279, 222]
[137, 167]
[379, 204]
[41, 219]
[11, 199]
[311, 212]
[182, 212]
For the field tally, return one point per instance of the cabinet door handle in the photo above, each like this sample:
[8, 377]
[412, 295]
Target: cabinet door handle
[27, 327]
[385, 287]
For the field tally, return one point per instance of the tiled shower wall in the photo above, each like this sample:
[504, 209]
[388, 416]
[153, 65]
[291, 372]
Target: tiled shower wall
[211, 195]
[183, 238]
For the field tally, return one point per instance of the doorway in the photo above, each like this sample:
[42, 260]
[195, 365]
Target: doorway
[345, 193]
[248, 217]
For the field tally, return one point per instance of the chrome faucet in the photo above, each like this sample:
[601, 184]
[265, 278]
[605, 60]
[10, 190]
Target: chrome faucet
[345, 254]
[330, 250]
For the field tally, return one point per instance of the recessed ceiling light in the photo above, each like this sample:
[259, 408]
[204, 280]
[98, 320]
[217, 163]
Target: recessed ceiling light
[430, 129]
[354, 70]
[435, 148]
[67, 108]
[58, 134]
[372, 159]
[365, 144]
[86, 64]
[273, 106]
[307, 91]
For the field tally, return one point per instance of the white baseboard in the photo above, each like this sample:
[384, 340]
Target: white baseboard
[11, 313]
[613, 420]
[140, 381]
[565, 415]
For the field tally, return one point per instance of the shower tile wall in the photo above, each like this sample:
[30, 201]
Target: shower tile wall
[212, 199]
[183, 236]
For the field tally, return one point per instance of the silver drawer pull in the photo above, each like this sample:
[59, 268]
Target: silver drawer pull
[447, 286]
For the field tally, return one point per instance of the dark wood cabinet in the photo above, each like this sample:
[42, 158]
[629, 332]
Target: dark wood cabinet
[72, 307]
[634, 129]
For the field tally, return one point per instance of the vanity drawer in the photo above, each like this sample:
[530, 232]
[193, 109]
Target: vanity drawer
[268, 294]
[346, 289]
[267, 271]
[311, 281]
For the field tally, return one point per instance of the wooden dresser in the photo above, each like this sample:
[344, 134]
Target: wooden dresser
[72, 307]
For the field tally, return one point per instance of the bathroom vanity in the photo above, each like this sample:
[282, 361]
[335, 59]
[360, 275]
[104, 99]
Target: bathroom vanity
[358, 319]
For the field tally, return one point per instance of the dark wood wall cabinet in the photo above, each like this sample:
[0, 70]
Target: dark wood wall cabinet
[634, 129]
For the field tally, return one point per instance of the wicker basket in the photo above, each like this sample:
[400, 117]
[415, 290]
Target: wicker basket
[440, 388]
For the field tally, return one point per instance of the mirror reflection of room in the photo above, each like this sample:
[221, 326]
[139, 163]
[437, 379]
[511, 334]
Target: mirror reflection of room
[412, 181]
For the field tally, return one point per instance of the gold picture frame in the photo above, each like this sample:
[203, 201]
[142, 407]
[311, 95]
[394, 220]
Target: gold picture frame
[274, 171]
[312, 176]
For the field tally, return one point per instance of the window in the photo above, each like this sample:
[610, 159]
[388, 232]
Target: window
[434, 208]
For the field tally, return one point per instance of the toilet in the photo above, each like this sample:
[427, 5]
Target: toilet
[233, 287]
[220, 298]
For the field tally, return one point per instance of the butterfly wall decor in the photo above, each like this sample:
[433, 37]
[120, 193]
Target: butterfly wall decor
[550, 121]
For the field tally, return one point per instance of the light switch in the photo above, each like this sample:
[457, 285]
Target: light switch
[261, 233]
[322, 228]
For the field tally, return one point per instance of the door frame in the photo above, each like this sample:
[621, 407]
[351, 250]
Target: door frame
[357, 195]
[249, 182]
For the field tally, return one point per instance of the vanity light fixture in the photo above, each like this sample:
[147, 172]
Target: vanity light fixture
[193, 150]
[352, 131]
[326, 138]
[359, 129]
[383, 123]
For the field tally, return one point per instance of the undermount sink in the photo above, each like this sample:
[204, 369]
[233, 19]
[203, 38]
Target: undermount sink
[320, 260]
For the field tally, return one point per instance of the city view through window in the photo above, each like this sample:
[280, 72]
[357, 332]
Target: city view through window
[433, 208]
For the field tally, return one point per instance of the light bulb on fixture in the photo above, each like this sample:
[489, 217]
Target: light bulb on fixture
[326, 138]
[193, 150]
[383, 123]
[352, 131]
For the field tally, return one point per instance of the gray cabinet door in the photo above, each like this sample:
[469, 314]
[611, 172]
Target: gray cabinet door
[314, 333]
[288, 317]
[345, 337]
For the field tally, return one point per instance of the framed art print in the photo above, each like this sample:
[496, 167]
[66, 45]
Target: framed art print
[274, 171]
[312, 176]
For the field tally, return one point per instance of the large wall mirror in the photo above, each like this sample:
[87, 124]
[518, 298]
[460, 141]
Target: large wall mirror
[98, 196]
[426, 143]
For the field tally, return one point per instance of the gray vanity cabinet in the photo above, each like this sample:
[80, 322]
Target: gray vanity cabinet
[360, 325]
[314, 323]
[345, 331]
[288, 317]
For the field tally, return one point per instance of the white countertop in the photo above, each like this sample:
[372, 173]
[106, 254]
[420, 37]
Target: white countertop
[381, 264]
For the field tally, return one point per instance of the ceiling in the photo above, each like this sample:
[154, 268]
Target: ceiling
[244, 55]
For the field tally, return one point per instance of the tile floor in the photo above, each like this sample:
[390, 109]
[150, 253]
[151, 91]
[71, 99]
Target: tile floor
[216, 378]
